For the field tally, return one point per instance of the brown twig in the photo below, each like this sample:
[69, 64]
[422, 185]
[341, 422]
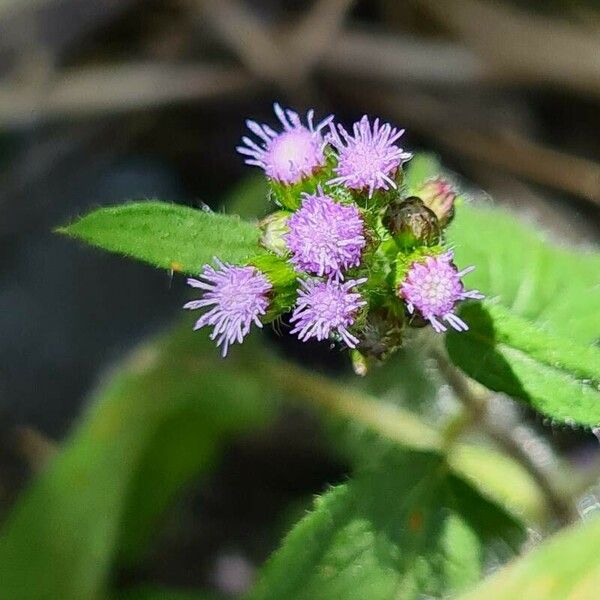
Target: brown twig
[117, 88]
[399, 58]
[245, 34]
[523, 45]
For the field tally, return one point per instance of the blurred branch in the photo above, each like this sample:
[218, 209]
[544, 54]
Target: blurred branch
[388, 420]
[286, 58]
[54, 23]
[476, 403]
[510, 152]
[393, 58]
[117, 88]
[316, 32]
[8, 8]
[523, 45]
[243, 32]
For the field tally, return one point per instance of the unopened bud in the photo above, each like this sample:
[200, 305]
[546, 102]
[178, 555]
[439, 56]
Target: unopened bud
[274, 228]
[439, 195]
[412, 223]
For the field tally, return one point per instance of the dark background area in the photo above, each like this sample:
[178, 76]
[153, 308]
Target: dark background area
[104, 101]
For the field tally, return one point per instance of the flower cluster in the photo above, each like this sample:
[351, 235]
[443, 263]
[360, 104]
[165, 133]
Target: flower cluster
[350, 252]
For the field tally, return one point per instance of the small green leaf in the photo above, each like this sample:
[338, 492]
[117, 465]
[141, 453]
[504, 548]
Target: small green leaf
[564, 567]
[404, 528]
[153, 426]
[285, 282]
[169, 236]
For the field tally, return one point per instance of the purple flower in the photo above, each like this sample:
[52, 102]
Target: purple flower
[237, 295]
[369, 158]
[434, 287]
[325, 237]
[326, 307]
[288, 156]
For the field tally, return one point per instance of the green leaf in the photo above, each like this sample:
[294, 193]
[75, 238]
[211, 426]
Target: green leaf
[404, 528]
[152, 427]
[534, 341]
[169, 236]
[555, 287]
[564, 567]
[555, 375]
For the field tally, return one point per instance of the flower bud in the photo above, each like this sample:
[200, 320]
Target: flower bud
[438, 195]
[412, 223]
[273, 228]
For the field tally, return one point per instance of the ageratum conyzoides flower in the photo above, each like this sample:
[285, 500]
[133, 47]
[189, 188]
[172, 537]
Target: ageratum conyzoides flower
[288, 156]
[237, 297]
[368, 159]
[433, 288]
[325, 237]
[325, 308]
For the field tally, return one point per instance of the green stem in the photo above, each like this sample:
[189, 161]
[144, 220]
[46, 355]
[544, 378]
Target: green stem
[476, 403]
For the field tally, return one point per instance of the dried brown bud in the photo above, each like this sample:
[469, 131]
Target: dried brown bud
[412, 223]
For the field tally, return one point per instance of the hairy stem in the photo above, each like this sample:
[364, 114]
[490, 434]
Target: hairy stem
[476, 403]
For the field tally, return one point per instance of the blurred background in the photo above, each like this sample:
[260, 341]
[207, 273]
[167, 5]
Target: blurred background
[103, 101]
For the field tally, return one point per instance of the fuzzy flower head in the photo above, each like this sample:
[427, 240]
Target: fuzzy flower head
[290, 155]
[237, 297]
[324, 237]
[369, 158]
[327, 307]
[433, 288]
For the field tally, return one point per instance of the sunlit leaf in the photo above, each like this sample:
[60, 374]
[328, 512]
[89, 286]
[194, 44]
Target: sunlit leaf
[564, 567]
[558, 288]
[555, 375]
[403, 528]
[169, 236]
